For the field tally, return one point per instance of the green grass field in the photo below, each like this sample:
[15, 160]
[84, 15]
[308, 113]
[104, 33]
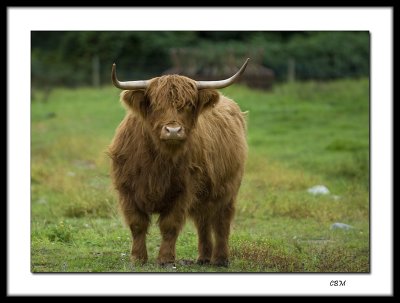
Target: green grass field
[299, 135]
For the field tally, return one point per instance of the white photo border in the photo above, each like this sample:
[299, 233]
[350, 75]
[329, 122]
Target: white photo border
[20, 23]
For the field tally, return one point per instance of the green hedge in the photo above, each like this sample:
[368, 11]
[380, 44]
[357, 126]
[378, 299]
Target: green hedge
[65, 58]
[321, 55]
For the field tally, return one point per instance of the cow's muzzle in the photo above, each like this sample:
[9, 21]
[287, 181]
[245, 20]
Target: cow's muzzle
[173, 133]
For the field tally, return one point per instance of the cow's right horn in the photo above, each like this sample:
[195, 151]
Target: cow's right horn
[129, 85]
[222, 83]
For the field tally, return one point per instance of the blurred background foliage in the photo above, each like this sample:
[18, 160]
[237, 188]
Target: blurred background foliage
[83, 58]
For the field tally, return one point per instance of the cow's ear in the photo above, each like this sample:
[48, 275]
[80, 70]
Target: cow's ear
[208, 98]
[134, 100]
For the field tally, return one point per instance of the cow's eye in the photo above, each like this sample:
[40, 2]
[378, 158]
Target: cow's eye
[189, 106]
[185, 108]
[145, 106]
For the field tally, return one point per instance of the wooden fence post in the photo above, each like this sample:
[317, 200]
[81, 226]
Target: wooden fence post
[291, 74]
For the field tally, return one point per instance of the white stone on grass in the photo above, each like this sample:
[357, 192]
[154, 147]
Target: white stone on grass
[318, 190]
[343, 226]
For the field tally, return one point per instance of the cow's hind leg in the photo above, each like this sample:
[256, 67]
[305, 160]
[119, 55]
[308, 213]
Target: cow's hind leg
[138, 224]
[205, 247]
[221, 227]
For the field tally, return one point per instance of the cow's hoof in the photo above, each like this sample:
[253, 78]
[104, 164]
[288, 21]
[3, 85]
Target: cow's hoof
[203, 261]
[167, 265]
[165, 261]
[221, 263]
[138, 259]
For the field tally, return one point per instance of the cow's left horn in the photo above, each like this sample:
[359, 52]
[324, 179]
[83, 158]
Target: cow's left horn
[222, 83]
[129, 85]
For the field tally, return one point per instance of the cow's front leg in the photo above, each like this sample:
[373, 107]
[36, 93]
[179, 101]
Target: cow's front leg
[170, 225]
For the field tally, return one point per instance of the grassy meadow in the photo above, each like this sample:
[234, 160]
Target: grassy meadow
[299, 134]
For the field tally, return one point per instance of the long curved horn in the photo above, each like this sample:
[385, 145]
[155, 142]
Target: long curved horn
[129, 85]
[222, 83]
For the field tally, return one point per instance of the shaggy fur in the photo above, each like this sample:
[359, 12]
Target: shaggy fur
[198, 177]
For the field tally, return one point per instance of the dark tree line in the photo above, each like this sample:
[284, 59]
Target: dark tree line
[76, 58]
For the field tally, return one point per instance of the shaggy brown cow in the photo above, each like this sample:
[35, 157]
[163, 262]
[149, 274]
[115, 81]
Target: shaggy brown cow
[180, 151]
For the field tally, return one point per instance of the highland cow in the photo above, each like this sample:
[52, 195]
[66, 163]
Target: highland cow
[179, 152]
